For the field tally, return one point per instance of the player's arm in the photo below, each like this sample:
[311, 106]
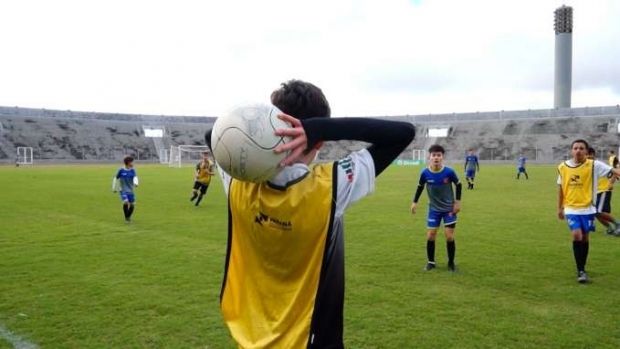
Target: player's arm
[477, 165]
[560, 203]
[454, 179]
[136, 181]
[560, 198]
[418, 192]
[115, 181]
[387, 138]
[459, 191]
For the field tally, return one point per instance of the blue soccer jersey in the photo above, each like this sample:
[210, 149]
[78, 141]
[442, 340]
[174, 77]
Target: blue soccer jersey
[439, 188]
[125, 177]
[471, 163]
[521, 162]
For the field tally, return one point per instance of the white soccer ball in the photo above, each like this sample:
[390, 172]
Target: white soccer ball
[243, 141]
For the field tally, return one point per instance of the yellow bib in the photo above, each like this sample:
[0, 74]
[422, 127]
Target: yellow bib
[204, 172]
[276, 247]
[577, 185]
[603, 184]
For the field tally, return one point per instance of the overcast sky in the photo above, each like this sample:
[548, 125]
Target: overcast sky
[370, 57]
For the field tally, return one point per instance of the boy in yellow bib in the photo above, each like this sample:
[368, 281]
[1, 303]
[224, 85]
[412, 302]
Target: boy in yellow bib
[202, 178]
[284, 272]
[577, 180]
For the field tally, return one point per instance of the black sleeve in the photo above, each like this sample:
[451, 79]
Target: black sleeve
[459, 190]
[387, 138]
[420, 188]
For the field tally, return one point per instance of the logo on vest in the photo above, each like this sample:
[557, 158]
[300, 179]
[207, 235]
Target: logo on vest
[575, 181]
[263, 219]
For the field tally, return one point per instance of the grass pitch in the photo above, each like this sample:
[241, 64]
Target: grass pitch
[74, 275]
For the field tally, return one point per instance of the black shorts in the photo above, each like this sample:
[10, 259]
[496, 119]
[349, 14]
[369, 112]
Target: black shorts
[603, 202]
[203, 187]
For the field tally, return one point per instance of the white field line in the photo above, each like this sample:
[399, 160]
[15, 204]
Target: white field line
[17, 341]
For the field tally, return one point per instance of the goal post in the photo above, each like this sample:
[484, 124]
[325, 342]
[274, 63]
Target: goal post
[180, 154]
[24, 156]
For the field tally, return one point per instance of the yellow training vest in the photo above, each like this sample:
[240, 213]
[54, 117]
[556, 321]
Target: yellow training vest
[603, 184]
[204, 171]
[275, 253]
[577, 184]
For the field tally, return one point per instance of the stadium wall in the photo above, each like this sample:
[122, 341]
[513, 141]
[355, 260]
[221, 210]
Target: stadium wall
[542, 135]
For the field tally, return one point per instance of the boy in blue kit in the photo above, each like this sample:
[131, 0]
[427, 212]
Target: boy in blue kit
[442, 203]
[127, 179]
[521, 166]
[471, 166]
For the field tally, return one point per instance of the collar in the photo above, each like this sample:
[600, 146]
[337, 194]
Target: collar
[289, 175]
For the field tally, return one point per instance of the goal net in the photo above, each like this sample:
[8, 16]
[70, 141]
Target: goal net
[181, 155]
[24, 156]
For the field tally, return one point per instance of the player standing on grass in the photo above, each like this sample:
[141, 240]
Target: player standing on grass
[204, 171]
[577, 182]
[442, 204]
[521, 166]
[284, 272]
[127, 179]
[471, 166]
[603, 200]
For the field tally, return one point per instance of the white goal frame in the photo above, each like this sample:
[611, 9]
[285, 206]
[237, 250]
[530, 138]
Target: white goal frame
[177, 151]
[24, 156]
[418, 155]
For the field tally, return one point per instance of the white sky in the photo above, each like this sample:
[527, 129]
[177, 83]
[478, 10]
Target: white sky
[370, 57]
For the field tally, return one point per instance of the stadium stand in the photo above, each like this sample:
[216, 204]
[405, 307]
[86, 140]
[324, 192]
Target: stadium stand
[544, 136]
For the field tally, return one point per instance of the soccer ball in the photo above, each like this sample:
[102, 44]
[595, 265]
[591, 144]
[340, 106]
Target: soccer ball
[243, 141]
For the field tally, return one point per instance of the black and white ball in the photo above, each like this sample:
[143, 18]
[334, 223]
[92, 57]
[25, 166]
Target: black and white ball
[243, 141]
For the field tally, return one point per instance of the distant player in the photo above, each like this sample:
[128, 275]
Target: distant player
[442, 204]
[471, 166]
[577, 181]
[204, 171]
[613, 159]
[521, 167]
[127, 179]
[603, 200]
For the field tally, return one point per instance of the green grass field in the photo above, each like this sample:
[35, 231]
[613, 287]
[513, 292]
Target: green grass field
[74, 275]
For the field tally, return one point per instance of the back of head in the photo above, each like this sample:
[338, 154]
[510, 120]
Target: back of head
[128, 160]
[301, 100]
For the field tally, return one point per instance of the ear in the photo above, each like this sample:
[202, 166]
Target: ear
[318, 145]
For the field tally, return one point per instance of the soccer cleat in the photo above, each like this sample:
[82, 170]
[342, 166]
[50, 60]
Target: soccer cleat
[611, 230]
[429, 266]
[582, 277]
[451, 267]
[616, 232]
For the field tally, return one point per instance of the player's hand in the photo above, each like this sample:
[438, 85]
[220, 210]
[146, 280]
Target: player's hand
[457, 207]
[413, 207]
[561, 214]
[298, 143]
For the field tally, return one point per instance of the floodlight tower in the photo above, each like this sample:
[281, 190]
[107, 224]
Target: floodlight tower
[563, 56]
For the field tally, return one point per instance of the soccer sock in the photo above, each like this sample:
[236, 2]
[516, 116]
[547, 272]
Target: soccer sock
[526, 176]
[130, 211]
[430, 250]
[194, 195]
[451, 246]
[585, 247]
[126, 211]
[577, 252]
[199, 199]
